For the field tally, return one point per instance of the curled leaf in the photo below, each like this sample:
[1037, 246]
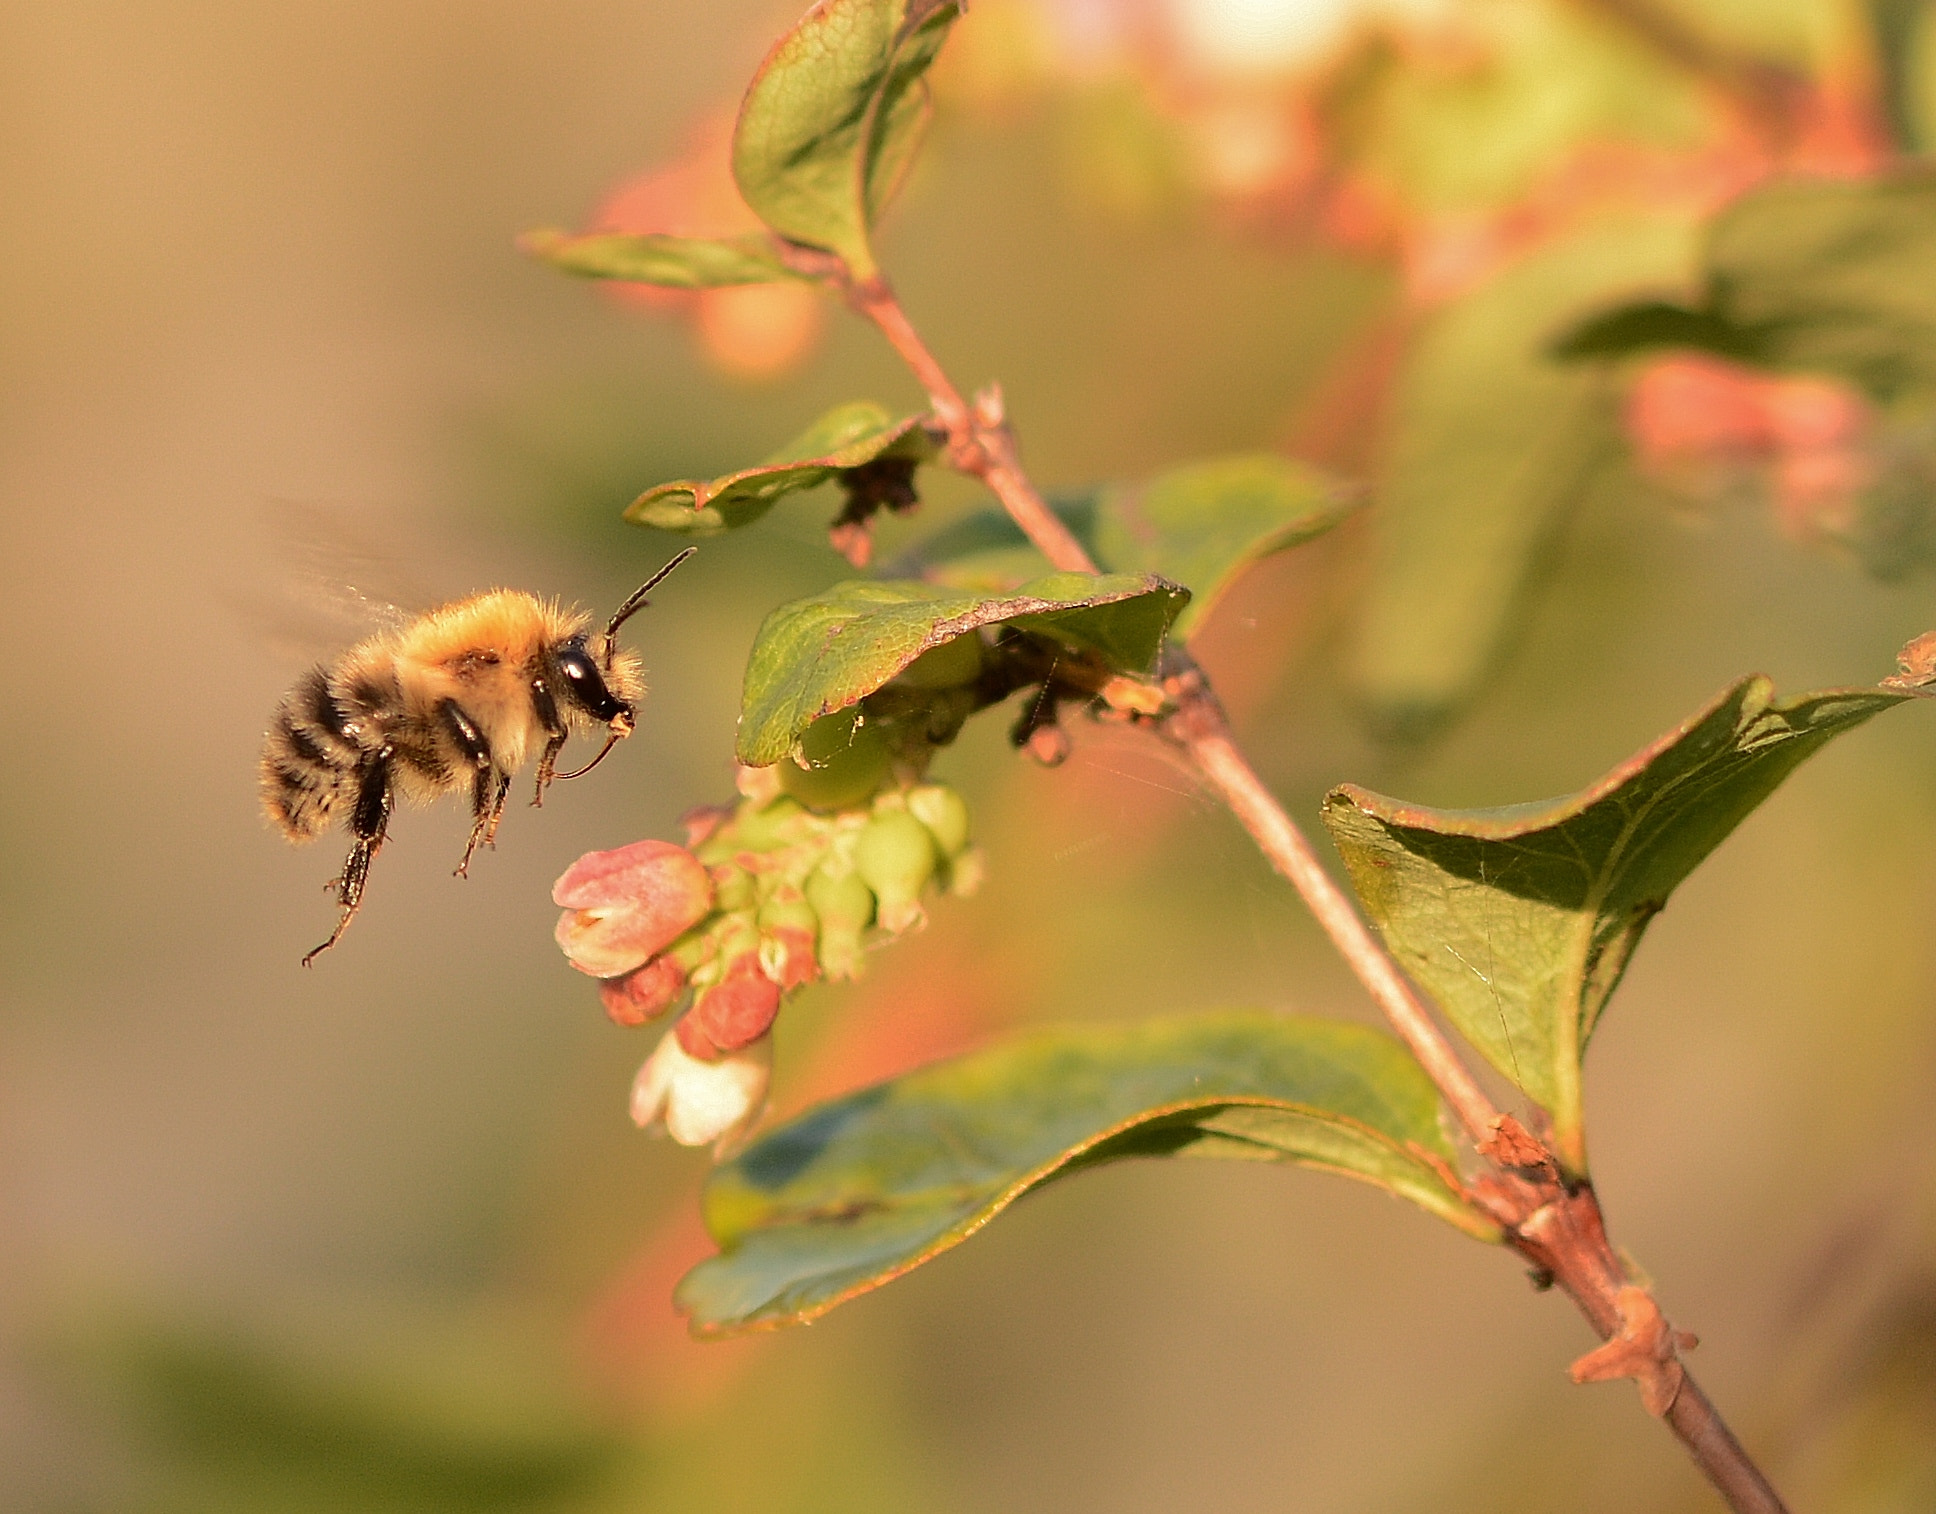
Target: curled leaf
[849, 439]
[822, 654]
[1519, 921]
[832, 120]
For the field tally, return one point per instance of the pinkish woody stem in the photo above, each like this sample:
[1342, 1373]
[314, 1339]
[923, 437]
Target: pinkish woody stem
[987, 451]
[1556, 1227]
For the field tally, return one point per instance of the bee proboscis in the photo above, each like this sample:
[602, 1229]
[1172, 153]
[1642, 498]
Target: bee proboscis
[457, 698]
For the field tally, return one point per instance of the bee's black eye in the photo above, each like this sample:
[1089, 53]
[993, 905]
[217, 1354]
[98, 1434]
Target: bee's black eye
[584, 685]
[579, 669]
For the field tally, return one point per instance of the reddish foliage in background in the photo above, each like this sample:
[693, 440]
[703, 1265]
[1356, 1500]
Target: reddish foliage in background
[1699, 423]
[754, 331]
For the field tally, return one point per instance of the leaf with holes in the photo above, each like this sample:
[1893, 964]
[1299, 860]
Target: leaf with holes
[1201, 526]
[668, 261]
[832, 120]
[846, 437]
[1520, 921]
[855, 1193]
[818, 655]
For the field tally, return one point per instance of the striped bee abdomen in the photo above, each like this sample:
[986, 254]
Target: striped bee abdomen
[308, 759]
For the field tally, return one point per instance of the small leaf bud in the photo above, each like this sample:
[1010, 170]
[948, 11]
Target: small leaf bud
[643, 993]
[700, 1100]
[895, 857]
[943, 812]
[623, 907]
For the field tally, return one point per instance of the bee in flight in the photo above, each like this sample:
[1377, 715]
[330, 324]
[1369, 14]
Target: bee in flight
[458, 698]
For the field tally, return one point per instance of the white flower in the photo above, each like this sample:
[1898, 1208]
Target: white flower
[700, 1101]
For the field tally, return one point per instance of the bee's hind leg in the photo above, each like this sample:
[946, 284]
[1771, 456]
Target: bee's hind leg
[368, 823]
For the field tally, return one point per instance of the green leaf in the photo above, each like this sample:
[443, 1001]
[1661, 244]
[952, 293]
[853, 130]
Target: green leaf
[1807, 275]
[673, 262]
[1201, 526]
[848, 436]
[834, 117]
[1493, 443]
[1519, 921]
[818, 655]
[1651, 326]
[855, 1193]
[1834, 276]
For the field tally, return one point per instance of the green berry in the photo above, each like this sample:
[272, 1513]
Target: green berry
[845, 907]
[895, 857]
[766, 827]
[944, 813]
[732, 889]
[790, 912]
[839, 763]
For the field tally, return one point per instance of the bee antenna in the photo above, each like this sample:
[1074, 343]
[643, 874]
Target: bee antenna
[610, 742]
[635, 603]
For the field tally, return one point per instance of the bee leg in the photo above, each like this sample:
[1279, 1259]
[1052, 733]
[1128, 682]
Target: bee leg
[547, 712]
[368, 822]
[489, 789]
[547, 769]
[476, 747]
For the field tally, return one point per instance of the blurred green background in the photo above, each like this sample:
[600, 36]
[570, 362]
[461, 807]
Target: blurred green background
[380, 1236]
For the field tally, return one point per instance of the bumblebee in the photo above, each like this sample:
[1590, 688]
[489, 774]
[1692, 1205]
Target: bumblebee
[456, 699]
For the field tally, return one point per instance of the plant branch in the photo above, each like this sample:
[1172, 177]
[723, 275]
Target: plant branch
[986, 450]
[1555, 1224]
[979, 441]
[1205, 734]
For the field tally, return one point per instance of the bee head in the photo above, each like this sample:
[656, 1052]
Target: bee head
[586, 681]
[583, 683]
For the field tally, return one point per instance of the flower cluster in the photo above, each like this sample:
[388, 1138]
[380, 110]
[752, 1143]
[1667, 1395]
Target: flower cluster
[767, 895]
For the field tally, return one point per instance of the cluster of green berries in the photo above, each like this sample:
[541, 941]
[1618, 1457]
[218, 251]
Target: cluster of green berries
[820, 857]
[769, 893]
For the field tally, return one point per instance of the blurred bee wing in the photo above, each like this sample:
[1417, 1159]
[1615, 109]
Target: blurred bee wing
[337, 578]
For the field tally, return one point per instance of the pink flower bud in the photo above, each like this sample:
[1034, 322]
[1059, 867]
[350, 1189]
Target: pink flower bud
[623, 907]
[703, 1100]
[643, 993]
[734, 1013]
